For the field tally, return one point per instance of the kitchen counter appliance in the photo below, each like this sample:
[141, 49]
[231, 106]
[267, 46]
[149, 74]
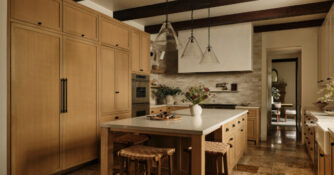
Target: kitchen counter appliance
[140, 95]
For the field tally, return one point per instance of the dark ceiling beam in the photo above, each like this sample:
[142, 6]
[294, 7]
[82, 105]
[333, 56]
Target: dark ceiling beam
[283, 12]
[173, 7]
[287, 26]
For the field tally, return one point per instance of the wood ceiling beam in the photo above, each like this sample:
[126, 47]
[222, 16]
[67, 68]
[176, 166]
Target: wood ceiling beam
[173, 7]
[283, 12]
[287, 26]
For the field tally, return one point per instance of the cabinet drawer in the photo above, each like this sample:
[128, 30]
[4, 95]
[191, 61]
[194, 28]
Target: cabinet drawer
[114, 34]
[252, 113]
[45, 13]
[80, 22]
[113, 117]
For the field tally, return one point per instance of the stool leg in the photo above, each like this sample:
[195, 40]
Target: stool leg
[159, 167]
[286, 117]
[189, 162]
[225, 164]
[170, 164]
[217, 165]
[122, 166]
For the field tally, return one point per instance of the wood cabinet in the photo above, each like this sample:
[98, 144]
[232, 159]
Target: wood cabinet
[35, 81]
[112, 117]
[321, 162]
[332, 153]
[80, 22]
[114, 33]
[309, 135]
[44, 13]
[140, 52]
[114, 81]
[79, 124]
[253, 124]
[326, 54]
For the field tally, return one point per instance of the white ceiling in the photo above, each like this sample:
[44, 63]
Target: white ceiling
[115, 5]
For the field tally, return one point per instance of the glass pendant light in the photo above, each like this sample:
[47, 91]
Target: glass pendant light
[192, 48]
[166, 38]
[209, 56]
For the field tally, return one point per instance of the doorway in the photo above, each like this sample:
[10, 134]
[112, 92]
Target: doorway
[284, 87]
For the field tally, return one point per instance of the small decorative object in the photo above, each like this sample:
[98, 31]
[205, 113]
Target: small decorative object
[164, 91]
[162, 117]
[327, 93]
[196, 95]
[321, 105]
[234, 87]
[274, 76]
[275, 93]
[281, 86]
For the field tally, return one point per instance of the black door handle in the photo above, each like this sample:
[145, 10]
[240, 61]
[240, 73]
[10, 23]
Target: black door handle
[116, 117]
[66, 86]
[227, 129]
[39, 23]
[82, 35]
[117, 92]
[62, 91]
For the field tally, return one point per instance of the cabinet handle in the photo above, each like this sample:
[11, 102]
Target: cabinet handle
[311, 149]
[82, 35]
[39, 23]
[332, 144]
[243, 119]
[242, 130]
[141, 70]
[65, 95]
[329, 78]
[152, 111]
[231, 138]
[233, 125]
[117, 92]
[160, 110]
[321, 155]
[116, 117]
[238, 122]
[62, 91]
[309, 142]
[320, 81]
[231, 145]
[116, 45]
[247, 112]
[227, 129]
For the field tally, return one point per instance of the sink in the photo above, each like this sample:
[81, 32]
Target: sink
[322, 134]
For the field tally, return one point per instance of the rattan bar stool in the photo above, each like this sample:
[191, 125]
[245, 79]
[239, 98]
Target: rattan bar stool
[149, 155]
[131, 139]
[219, 150]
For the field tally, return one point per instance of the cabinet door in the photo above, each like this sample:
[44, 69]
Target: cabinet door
[332, 154]
[79, 132]
[251, 128]
[321, 162]
[145, 65]
[45, 13]
[107, 80]
[135, 51]
[122, 83]
[35, 139]
[80, 22]
[331, 58]
[326, 50]
[114, 34]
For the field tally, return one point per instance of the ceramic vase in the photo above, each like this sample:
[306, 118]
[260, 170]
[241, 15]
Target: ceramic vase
[170, 100]
[196, 110]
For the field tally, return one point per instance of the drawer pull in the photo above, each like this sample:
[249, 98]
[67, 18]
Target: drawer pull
[116, 45]
[238, 122]
[309, 142]
[231, 138]
[116, 117]
[82, 35]
[311, 149]
[152, 111]
[39, 23]
[231, 146]
[117, 92]
[242, 130]
[141, 70]
[332, 144]
[321, 155]
[304, 133]
[227, 129]
[233, 125]
[243, 119]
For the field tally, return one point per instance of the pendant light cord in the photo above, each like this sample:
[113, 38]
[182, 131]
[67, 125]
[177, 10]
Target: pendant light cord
[209, 27]
[166, 13]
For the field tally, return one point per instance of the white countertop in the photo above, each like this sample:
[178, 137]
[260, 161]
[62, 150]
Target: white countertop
[210, 121]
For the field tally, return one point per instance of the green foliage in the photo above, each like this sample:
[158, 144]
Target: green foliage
[164, 90]
[197, 94]
[328, 93]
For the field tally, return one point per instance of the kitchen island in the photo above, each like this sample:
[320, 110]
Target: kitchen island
[228, 125]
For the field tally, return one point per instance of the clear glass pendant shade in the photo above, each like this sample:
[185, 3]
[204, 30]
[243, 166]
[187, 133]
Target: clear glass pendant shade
[209, 57]
[192, 48]
[166, 38]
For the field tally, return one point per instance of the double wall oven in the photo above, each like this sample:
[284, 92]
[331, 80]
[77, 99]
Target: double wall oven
[140, 95]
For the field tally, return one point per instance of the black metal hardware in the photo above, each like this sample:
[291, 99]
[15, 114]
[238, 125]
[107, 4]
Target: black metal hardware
[239, 122]
[320, 81]
[243, 119]
[227, 129]
[152, 111]
[305, 134]
[141, 70]
[332, 144]
[231, 145]
[233, 125]
[160, 110]
[116, 117]
[329, 78]
[247, 112]
[321, 155]
[242, 130]
[82, 35]
[231, 138]
[62, 91]
[311, 149]
[308, 142]
[117, 92]
[116, 45]
[39, 23]
[66, 86]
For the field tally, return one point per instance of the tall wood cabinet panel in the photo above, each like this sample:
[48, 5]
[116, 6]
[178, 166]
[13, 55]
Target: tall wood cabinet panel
[80, 22]
[46, 13]
[122, 81]
[135, 51]
[35, 123]
[107, 80]
[114, 81]
[145, 53]
[79, 132]
[114, 34]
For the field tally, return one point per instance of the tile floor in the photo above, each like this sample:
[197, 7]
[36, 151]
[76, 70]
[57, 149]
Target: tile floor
[280, 155]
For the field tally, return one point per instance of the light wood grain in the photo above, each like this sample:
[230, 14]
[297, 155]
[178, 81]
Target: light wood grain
[107, 77]
[145, 58]
[106, 157]
[46, 12]
[80, 22]
[113, 33]
[332, 154]
[79, 132]
[135, 51]
[198, 155]
[35, 59]
[122, 83]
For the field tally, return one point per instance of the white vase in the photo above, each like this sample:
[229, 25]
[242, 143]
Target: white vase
[196, 110]
[170, 100]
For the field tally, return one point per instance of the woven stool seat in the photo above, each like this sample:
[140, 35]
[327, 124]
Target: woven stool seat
[131, 139]
[217, 148]
[141, 152]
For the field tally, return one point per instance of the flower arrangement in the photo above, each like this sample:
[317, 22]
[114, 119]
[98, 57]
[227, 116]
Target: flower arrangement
[328, 93]
[197, 94]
